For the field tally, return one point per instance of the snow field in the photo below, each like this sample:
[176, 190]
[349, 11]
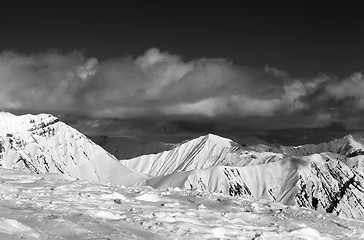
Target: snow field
[49, 208]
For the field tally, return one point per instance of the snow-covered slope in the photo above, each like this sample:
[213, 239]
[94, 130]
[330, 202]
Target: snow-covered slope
[332, 183]
[42, 143]
[274, 181]
[48, 207]
[327, 182]
[349, 146]
[125, 148]
[200, 153]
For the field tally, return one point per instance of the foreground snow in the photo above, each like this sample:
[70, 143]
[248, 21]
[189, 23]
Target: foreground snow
[53, 207]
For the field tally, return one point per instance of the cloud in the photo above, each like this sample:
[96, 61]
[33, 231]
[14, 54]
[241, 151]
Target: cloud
[42, 82]
[234, 105]
[350, 87]
[162, 85]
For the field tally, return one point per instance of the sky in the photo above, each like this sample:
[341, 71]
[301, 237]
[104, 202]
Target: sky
[286, 72]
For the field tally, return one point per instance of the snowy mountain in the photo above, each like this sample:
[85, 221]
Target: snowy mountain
[126, 148]
[326, 177]
[42, 143]
[200, 153]
[325, 181]
[349, 146]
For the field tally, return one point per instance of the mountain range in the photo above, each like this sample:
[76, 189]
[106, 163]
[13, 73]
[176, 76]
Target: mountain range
[325, 177]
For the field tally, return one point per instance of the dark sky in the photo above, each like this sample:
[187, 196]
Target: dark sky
[301, 38]
[185, 67]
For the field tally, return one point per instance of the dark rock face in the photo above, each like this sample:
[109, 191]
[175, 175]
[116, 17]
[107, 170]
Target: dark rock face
[356, 153]
[237, 187]
[331, 185]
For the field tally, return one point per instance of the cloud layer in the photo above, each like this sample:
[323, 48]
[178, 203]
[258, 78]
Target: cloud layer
[161, 85]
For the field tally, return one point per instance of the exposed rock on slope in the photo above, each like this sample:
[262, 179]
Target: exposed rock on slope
[274, 181]
[42, 143]
[332, 183]
[327, 182]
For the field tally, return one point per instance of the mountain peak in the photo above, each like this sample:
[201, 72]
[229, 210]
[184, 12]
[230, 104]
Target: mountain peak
[41, 143]
[225, 142]
[24, 123]
[25, 117]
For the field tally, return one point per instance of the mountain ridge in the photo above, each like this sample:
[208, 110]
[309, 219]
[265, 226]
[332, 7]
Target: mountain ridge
[350, 145]
[202, 152]
[326, 177]
[41, 143]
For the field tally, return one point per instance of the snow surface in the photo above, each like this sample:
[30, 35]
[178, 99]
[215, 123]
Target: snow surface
[51, 207]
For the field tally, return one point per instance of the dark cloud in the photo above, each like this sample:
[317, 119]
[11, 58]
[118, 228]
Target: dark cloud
[198, 127]
[160, 93]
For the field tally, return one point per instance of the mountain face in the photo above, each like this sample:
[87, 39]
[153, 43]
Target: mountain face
[326, 177]
[124, 148]
[323, 181]
[42, 143]
[200, 153]
[350, 146]
[272, 181]
[332, 183]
